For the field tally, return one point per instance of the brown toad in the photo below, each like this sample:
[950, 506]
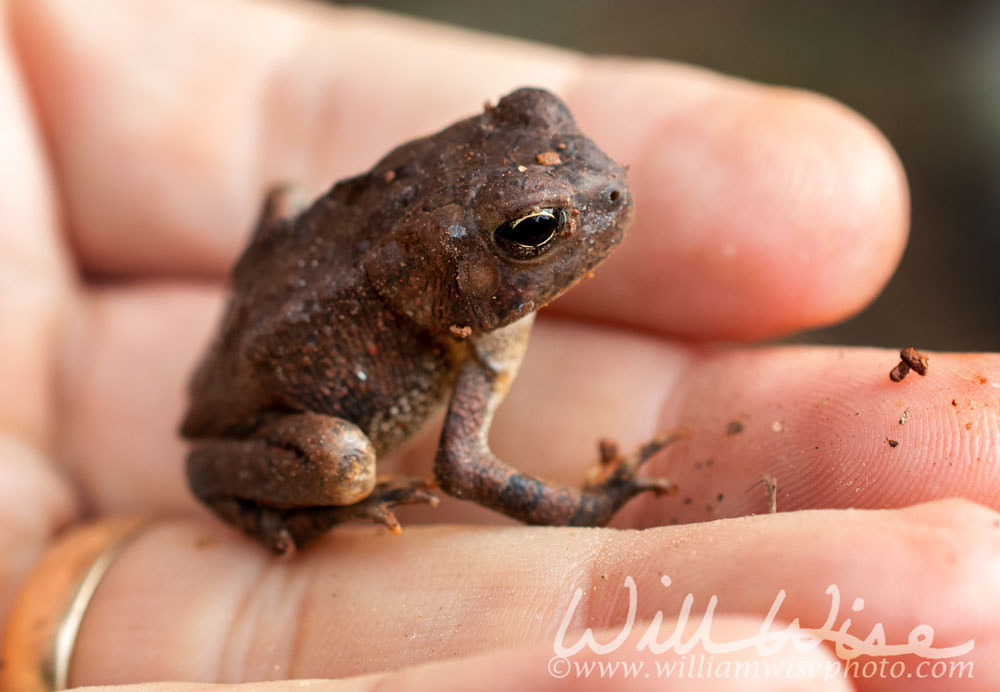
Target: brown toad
[353, 318]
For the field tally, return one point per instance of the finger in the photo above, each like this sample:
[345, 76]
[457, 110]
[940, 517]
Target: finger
[534, 668]
[123, 393]
[35, 503]
[818, 419]
[34, 295]
[760, 210]
[834, 431]
[363, 601]
[827, 423]
[34, 282]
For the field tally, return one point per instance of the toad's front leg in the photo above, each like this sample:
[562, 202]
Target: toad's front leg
[466, 468]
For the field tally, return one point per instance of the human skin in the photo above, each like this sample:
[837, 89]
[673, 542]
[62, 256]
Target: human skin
[137, 139]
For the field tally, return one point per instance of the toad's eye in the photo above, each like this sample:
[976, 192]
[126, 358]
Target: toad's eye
[530, 235]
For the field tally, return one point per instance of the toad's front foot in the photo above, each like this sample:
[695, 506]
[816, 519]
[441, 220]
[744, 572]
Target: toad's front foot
[617, 474]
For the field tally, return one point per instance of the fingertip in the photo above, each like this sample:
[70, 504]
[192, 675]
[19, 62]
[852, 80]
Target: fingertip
[760, 210]
[831, 427]
[848, 202]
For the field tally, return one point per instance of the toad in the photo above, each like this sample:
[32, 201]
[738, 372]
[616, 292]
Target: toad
[353, 318]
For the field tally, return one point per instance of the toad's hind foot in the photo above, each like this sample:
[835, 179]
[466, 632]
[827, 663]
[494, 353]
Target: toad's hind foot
[388, 493]
[303, 525]
[285, 530]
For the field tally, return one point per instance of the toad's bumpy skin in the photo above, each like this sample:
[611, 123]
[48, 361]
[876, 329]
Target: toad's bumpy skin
[354, 318]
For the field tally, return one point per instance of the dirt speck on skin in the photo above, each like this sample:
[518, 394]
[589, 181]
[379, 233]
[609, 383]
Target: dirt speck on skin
[906, 414]
[734, 427]
[893, 443]
[898, 373]
[770, 484]
[915, 359]
[909, 359]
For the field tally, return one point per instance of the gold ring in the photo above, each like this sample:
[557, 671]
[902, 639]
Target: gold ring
[45, 619]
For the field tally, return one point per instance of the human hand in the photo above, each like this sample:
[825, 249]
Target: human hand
[140, 137]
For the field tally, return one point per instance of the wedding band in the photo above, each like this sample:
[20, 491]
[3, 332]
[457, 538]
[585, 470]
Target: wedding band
[45, 619]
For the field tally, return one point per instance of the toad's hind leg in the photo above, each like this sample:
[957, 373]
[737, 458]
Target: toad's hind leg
[293, 478]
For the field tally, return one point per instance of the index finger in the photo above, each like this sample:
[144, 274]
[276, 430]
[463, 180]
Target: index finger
[760, 210]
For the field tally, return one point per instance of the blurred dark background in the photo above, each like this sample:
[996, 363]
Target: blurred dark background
[927, 73]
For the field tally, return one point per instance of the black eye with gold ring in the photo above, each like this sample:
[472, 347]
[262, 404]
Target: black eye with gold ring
[530, 235]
